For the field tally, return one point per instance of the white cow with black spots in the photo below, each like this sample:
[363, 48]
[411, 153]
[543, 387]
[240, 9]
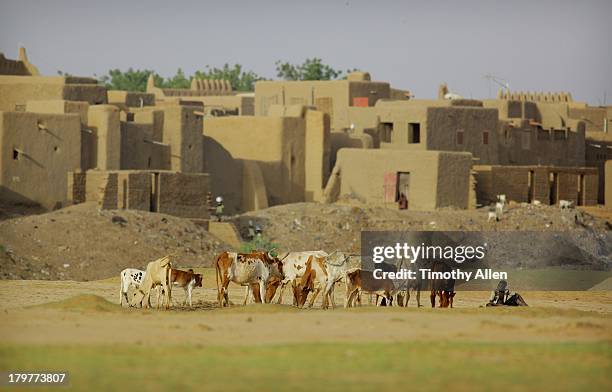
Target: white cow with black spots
[130, 277]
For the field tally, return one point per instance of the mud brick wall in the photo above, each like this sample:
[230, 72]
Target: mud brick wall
[484, 184]
[139, 191]
[591, 188]
[134, 190]
[109, 199]
[182, 194]
[102, 187]
[512, 182]
[568, 186]
[76, 187]
[541, 185]
[608, 184]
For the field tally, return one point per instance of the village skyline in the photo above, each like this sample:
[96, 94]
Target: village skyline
[547, 46]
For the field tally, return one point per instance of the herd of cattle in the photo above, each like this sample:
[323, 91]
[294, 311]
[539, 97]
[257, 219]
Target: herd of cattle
[264, 275]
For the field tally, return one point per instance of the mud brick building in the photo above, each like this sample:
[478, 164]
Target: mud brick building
[546, 184]
[290, 141]
[179, 194]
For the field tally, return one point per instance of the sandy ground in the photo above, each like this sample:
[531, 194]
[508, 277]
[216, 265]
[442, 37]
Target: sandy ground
[66, 312]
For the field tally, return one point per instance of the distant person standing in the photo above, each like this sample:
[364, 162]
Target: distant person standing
[403, 202]
[219, 208]
[251, 231]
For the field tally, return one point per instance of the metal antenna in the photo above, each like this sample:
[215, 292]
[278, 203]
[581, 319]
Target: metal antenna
[503, 83]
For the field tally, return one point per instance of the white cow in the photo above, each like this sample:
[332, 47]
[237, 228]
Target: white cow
[294, 265]
[130, 277]
[156, 274]
[337, 265]
[245, 269]
[565, 204]
[321, 274]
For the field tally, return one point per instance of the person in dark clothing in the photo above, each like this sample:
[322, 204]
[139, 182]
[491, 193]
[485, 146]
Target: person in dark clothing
[402, 202]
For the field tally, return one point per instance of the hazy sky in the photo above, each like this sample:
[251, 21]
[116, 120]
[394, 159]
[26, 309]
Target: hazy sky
[535, 45]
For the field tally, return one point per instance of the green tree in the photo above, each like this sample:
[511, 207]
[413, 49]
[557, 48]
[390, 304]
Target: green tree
[311, 69]
[179, 80]
[130, 80]
[239, 79]
[259, 243]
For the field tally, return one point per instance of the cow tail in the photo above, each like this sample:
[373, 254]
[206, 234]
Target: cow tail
[121, 290]
[218, 277]
[168, 285]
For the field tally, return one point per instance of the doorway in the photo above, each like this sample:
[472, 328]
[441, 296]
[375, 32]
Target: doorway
[553, 182]
[124, 198]
[580, 198]
[530, 186]
[154, 192]
[386, 132]
[402, 185]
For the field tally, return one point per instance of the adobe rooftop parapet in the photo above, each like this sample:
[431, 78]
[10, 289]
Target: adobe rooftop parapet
[199, 88]
[550, 97]
[20, 67]
[358, 76]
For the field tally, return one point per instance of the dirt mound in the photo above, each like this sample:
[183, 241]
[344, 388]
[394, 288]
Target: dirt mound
[82, 243]
[338, 226]
[83, 302]
[606, 285]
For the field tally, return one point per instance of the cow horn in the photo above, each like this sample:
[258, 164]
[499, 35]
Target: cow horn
[285, 256]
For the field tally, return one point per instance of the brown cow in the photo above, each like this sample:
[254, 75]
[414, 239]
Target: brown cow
[359, 281]
[272, 286]
[245, 269]
[314, 279]
[443, 288]
[188, 280]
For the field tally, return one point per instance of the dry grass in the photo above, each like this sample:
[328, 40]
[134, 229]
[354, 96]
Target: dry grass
[79, 327]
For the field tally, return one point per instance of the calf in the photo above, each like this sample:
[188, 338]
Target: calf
[362, 281]
[188, 280]
[130, 277]
[156, 274]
